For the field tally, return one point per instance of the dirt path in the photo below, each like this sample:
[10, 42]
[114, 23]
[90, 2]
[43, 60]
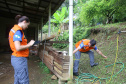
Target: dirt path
[7, 73]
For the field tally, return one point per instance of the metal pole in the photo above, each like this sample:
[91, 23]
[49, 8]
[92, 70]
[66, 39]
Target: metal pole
[41, 29]
[49, 20]
[71, 38]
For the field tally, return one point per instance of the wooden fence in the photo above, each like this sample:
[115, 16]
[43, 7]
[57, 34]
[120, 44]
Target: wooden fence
[56, 61]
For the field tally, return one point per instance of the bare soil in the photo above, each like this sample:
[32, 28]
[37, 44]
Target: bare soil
[7, 71]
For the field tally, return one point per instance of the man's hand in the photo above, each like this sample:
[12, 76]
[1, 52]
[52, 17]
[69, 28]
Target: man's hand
[99, 52]
[105, 57]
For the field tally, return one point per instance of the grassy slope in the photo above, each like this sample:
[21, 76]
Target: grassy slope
[106, 42]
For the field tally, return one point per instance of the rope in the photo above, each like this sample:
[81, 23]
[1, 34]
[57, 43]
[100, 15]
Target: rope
[86, 77]
[115, 59]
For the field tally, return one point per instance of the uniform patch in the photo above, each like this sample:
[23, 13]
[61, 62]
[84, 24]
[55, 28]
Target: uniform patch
[17, 36]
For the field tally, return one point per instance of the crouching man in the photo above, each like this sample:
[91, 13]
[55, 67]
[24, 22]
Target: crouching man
[85, 46]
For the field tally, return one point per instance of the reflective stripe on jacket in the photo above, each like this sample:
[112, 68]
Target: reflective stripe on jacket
[22, 53]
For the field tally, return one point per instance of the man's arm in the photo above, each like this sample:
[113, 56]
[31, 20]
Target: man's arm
[78, 48]
[99, 52]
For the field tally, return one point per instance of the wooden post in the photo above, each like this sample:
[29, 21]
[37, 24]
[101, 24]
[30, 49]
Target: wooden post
[49, 20]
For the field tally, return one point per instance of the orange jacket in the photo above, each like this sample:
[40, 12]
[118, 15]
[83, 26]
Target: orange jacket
[22, 53]
[86, 47]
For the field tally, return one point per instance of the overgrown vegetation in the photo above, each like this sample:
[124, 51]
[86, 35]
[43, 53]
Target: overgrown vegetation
[78, 34]
[106, 37]
[107, 43]
[84, 32]
[44, 67]
[99, 20]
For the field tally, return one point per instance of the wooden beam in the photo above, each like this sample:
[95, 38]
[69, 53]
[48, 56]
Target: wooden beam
[39, 2]
[48, 38]
[23, 8]
[30, 16]
[31, 4]
[7, 15]
[48, 1]
[57, 42]
[8, 7]
[27, 8]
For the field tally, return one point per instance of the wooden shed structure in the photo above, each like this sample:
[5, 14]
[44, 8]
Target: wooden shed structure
[39, 12]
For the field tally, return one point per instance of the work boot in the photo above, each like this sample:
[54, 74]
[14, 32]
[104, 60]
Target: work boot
[75, 74]
[94, 65]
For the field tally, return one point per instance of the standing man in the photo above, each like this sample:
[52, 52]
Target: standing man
[85, 46]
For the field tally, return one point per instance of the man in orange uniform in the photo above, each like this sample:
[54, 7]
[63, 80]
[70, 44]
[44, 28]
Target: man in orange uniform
[85, 46]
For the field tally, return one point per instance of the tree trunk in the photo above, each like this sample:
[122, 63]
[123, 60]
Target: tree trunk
[109, 20]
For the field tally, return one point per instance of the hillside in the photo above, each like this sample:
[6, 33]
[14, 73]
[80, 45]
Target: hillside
[106, 37]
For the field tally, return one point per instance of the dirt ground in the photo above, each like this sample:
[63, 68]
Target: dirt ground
[7, 71]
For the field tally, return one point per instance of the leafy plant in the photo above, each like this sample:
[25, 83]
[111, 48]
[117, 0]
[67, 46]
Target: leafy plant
[44, 67]
[78, 34]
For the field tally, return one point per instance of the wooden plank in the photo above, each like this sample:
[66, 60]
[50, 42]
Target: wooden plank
[53, 52]
[65, 71]
[64, 77]
[62, 68]
[66, 58]
[48, 57]
[57, 70]
[48, 61]
[57, 42]
[48, 38]
[58, 66]
[41, 53]
[49, 65]
[56, 62]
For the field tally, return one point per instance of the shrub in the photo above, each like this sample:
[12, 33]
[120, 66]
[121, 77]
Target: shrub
[78, 34]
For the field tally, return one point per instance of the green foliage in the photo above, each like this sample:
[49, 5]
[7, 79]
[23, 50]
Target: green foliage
[64, 37]
[45, 29]
[87, 12]
[96, 10]
[108, 46]
[78, 34]
[44, 67]
[59, 16]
